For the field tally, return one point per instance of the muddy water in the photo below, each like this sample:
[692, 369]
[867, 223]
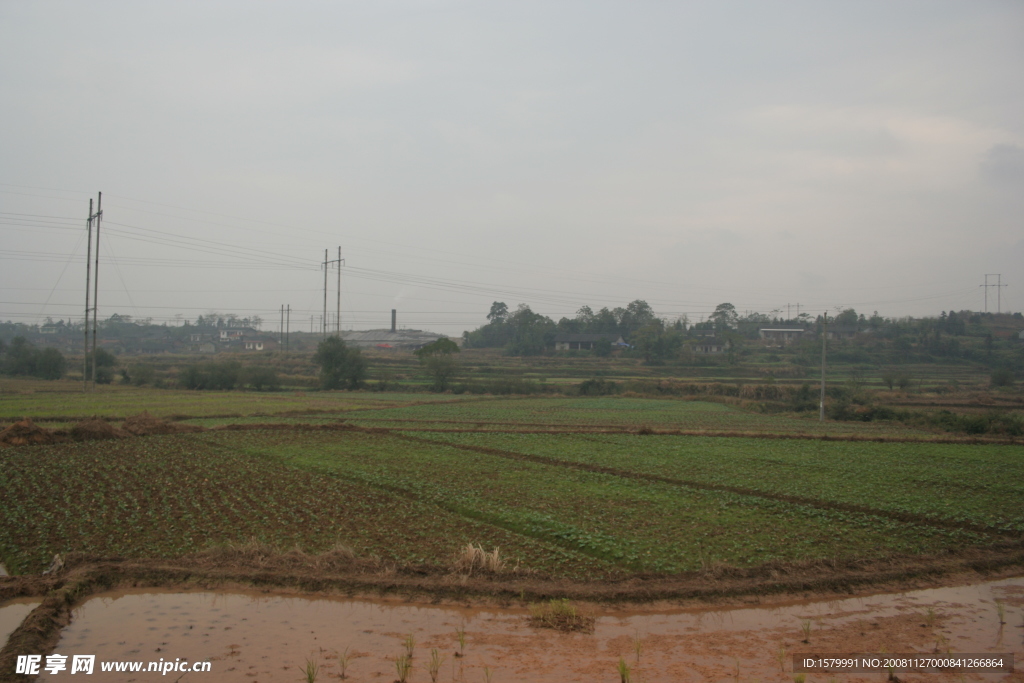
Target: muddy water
[12, 613]
[258, 637]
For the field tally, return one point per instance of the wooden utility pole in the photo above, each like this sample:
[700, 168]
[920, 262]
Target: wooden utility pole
[824, 338]
[88, 271]
[324, 322]
[96, 285]
[337, 315]
[288, 327]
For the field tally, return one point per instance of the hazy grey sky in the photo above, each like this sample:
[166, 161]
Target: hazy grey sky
[864, 154]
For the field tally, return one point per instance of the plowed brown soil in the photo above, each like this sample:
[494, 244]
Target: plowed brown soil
[95, 429]
[26, 432]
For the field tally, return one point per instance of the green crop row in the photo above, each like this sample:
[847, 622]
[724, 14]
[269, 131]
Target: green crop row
[665, 414]
[638, 525]
[970, 484]
[167, 496]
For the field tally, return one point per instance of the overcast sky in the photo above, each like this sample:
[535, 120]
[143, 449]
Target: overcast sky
[832, 154]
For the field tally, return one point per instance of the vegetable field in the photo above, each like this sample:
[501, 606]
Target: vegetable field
[412, 480]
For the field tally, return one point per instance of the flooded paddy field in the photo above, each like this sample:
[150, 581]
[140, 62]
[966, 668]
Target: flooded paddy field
[250, 636]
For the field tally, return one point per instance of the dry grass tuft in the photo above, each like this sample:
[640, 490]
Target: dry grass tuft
[475, 558]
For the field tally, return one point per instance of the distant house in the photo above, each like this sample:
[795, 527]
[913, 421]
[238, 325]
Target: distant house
[195, 337]
[710, 345]
[580, 342]
[230, 334]
[781, 334]
[253, 346]
[203, 347]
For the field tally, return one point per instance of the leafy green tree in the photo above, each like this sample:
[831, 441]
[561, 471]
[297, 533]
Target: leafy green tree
[499, 311]
[439, 359]
[105, 362]
[341, 367]
[223, 376]
[531, 332]
[141, 375]
[724, 317]
[261, 378]
[848, 317]
[656, 342]
[50, 364]
[604, 321]
[636, 315]
[20, 358]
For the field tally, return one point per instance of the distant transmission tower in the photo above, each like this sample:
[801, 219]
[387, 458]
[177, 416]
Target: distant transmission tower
[999, 286]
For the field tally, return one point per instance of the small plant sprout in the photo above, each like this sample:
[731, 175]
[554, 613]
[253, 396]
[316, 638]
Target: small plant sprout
[460, 634]
[1001, 611]
[805, 626]
[311, 671]
[403, 665]
[638, 646]
[343, 659]
[781, 657]
[623, 670]
[487, 674]
[409, 643]
[436, 660]
[799, 678]
[736, 669]
[929, 617]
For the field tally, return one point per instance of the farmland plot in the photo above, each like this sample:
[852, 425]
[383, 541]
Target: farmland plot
[974, 485]
[169, 495]
[595, 413]
[637, 525]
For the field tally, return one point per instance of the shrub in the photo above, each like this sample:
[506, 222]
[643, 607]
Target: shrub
[598, 387]
[210, 375]
[22, 358]
[261, 378]
[340, 366]
[50, 364]
[141, 375]
[1002, 377]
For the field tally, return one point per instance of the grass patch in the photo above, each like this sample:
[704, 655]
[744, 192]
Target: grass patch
[561, 615]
